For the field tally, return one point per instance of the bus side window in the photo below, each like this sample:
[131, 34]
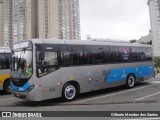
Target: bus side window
[114, 54]
[148, 54]
[89, 55]
[41, 56]
[7, 60]
[81, 58]
[107, 57]
[47, 62]
[2, 61]
[136, 53]
[71, 55]
[99, 58]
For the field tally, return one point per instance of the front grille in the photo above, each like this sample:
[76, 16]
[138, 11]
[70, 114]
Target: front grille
[19, 82]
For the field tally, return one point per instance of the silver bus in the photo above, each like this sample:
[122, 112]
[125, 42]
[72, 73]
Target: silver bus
[5, 57]
[51, 68]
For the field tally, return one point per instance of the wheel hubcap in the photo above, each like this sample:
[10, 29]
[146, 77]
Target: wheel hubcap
[131, 81]
[70, 92]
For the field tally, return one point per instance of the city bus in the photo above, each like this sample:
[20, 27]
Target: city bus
[5, 57]
[51, 68]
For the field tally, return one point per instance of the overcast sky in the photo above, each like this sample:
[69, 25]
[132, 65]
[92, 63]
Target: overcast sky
[114, 19]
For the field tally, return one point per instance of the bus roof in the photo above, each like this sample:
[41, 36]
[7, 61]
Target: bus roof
[5, 50]
[85, 42]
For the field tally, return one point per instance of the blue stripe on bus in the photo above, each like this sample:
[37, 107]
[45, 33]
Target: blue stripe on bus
[20, 89]
[113, 76]
[121, 74]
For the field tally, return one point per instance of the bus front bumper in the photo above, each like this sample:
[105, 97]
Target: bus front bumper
[30, 96]
[17, 94]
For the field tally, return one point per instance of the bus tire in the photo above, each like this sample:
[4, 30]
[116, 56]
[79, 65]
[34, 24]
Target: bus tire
[69, 92]
[6, 87]
[130, 82]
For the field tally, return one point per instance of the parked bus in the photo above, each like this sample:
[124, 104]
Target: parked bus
[5, 57]
[51, 68]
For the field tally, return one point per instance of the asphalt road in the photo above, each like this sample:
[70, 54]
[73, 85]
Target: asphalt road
[144, 96]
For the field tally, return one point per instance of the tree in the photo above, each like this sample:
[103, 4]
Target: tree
[157, 61]
[133, 41]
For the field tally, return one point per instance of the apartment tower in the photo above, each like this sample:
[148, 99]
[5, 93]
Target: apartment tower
[47, 18]
[154, 9]
[1, 25]
[69, 17]
[58, 19]
[28, 19]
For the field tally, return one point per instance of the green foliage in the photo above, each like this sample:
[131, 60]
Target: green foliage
[157, 62]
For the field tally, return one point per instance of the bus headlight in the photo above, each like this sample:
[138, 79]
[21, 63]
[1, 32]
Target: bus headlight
[30, 88]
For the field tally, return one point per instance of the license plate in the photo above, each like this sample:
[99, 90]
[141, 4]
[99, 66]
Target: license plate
[18, 95]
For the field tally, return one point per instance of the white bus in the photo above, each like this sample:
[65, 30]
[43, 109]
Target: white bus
[51, 68]
[5, 57]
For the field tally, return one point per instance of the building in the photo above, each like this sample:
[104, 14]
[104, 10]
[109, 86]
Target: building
[48, 19]
[18, 20]
[1, 25]
[154, 9]
[59, 19]
[69, 17]
[145, 39]
[7, 22]
[27, 19]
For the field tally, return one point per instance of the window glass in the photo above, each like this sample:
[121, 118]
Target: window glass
[93, 54]
[125, 54]
[98, 51]
[89, 55]
[2, 61]
[71, 55]
[143, 57]
[137, 54]
[5, 60]
[22, 64]
[114, 53]
[148, 53]
[107, 58]
[47, 61]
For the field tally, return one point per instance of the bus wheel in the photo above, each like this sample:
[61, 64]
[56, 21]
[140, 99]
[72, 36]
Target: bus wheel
[6, 87]
[69, 92]
[130, 81]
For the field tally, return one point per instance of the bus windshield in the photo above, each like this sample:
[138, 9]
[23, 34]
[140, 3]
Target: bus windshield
[22, 64]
